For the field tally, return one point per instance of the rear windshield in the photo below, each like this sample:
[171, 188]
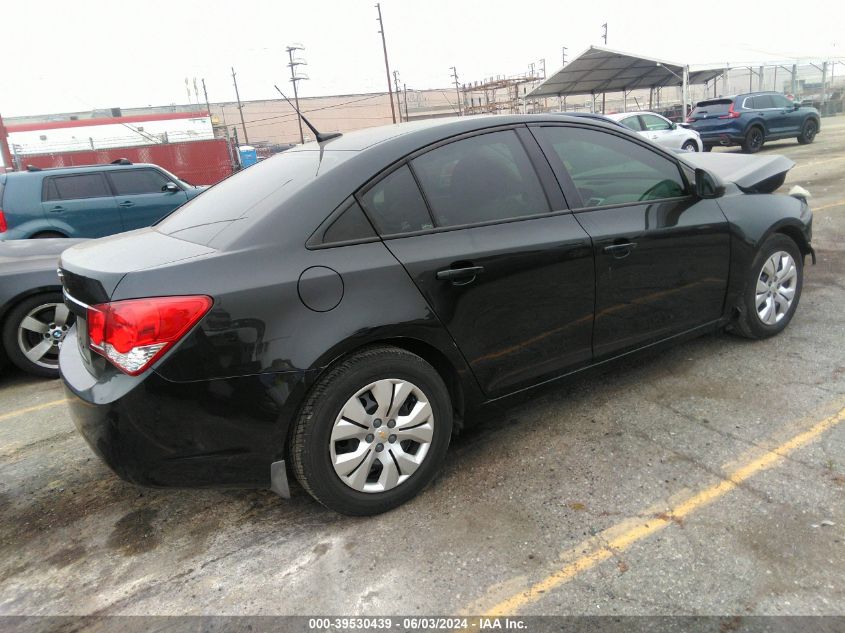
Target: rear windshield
[716, 106]
[255, 190]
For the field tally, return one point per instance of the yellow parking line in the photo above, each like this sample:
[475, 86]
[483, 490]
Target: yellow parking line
[38, 407]
[620, 537]
[829, 206]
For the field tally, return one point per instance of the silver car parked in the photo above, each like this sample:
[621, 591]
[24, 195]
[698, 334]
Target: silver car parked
[660, 130]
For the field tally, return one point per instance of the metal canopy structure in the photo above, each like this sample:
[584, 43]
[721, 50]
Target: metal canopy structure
[600, 70]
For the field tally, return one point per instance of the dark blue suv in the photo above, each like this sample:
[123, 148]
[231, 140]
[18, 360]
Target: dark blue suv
[752, 119]
[88, 201]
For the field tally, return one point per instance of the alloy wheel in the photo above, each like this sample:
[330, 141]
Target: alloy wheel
[776, 285]
[382, 435]
[41, 333]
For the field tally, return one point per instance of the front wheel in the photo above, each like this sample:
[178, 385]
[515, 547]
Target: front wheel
[372, 432]
[690, 146]
[808, 132]
[773, 288]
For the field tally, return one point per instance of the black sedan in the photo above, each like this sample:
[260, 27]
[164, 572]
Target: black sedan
[342, 308]
[33, 318]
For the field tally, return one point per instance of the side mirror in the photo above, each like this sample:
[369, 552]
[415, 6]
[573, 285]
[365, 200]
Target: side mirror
[795, 106]
[170, 188]
[707, 185]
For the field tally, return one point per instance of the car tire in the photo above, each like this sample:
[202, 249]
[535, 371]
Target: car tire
[808, 132]
[326, 429]
[19, 340]
[769, 284]
[754, 139]
[690, 146]
[44, 235]
[708, 148]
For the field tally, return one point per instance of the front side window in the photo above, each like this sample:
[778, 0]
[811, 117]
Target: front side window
[607, 169]
[655, 123]
[632, 123]
[781, 102]
[396, 205]
[76, 187]
[137, 181]
[480, 179]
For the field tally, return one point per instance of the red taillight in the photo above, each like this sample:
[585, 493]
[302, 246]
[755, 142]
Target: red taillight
[134, 333]
[3, 226]
[731, 114]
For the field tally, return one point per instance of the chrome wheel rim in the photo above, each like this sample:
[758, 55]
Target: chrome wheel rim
[690, 146]
[382, 435]
[776, 286]
[41, 333]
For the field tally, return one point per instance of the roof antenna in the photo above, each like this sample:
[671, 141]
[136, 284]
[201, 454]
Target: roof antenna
[321, 138]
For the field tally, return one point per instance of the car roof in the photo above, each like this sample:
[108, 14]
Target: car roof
[58, 171]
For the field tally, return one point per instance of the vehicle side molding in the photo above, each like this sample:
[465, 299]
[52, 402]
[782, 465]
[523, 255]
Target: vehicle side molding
[708, 185]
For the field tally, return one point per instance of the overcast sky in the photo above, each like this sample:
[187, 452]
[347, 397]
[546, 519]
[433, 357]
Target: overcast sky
[62, 56]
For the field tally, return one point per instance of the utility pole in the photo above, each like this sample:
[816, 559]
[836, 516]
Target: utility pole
[543, 66]
[398, 104]
[295, 79]
[564, 57]
[205, 93]
[386, 65]
[5, 153]
[240, 107]
[405, 89]
[457, 89]
[604, 35]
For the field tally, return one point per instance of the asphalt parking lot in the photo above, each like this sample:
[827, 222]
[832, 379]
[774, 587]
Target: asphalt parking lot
[706, 479]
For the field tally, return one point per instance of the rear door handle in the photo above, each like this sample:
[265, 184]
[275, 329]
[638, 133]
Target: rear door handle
[620, 250]
[57, 209]
[126, 203]
[464, 274]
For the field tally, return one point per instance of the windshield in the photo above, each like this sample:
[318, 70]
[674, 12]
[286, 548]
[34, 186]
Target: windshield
[255, 190]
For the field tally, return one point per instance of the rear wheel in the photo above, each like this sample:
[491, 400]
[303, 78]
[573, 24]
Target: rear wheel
[773, 288]
[754, 140]
[690, 146]
[373, 432]
[34, 331]
[808, 132]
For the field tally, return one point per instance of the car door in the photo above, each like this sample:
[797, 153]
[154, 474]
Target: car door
[786, 120]
[80, 205]
[482, 228]
[660, 130]
[661, 255]
[143, 197]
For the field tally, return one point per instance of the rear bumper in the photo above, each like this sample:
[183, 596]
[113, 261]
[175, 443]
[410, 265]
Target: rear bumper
[154, 432]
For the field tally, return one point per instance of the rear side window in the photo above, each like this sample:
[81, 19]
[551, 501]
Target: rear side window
[762, 102]
[632, 123]
[712, 108]
[137, 181]
[480, 179]
[608, 169]
[350, 225]
[396, 205]
[92, 185]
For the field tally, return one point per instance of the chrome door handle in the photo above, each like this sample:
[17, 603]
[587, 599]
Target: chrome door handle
[620, 250]
[126, 203]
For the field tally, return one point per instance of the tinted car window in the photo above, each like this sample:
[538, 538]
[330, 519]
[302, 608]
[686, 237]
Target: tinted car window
[75, 187]
[480, 179]
[781, 102]
[352, 224]
[608, 169]
[632, 123]
[761, 102]
[396, 205]
[711, 108]
[135, 181]
[654, 123]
